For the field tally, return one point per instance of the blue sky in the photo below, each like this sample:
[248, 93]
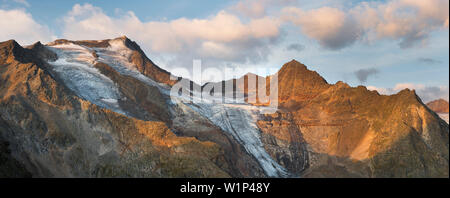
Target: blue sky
[333, 37]
[48, 11]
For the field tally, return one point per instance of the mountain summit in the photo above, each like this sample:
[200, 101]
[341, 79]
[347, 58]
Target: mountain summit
[298, 84]
[439, 106]
[102, 109]
[135, 55]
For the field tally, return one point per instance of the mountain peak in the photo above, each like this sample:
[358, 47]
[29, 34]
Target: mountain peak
[122, 38]
[36, 44]
[10, 44]
[297, 83]
[439, 106]
[299, 71]
[440, 100]
[13, 49]
[143, 63]
[342, 84]
[137, 56]
[129, 43]
[293, 65]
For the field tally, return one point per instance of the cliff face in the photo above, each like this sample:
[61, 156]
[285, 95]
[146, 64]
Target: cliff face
[102, 109]
[354, 132]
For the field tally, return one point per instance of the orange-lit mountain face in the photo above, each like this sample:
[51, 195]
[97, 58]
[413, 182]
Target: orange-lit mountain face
[102, 109]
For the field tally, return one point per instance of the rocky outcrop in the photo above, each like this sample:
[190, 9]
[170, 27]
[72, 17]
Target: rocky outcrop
[284, 142]
[141, 100]
[9, 166]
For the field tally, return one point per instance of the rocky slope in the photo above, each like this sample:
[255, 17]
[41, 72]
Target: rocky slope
[49, 129]
[354, 132]
[102, 109]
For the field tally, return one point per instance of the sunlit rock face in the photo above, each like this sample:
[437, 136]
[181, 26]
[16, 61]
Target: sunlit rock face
[103, 109]
[355, 132]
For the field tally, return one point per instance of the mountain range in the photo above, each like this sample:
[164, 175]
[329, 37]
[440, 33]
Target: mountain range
[103, 109]
[439, 106]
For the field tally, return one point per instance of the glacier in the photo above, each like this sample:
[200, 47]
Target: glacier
[239, 120]
[75, 65]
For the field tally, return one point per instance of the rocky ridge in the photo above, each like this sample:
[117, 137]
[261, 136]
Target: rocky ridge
[50, 127]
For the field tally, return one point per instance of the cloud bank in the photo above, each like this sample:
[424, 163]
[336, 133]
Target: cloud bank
[409, 22]
[246, 31]
[331, 27]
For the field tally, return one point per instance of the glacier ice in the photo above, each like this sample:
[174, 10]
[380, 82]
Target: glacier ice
[117, 56]
[240, 121]
[75, 65]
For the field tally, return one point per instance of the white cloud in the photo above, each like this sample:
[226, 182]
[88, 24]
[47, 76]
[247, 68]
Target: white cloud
[20, 25]
[251, 8]
[333, 28]
[407, 21]
[221, 36]
[258, 8]
[426, 93]
[225, 37]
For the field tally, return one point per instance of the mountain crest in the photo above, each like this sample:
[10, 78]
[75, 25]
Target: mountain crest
[294, 65]
[296, 82]
[300, 72]
[319, 126]
[136, 56]
[439, 106]
[11, 50]
[10, 44]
